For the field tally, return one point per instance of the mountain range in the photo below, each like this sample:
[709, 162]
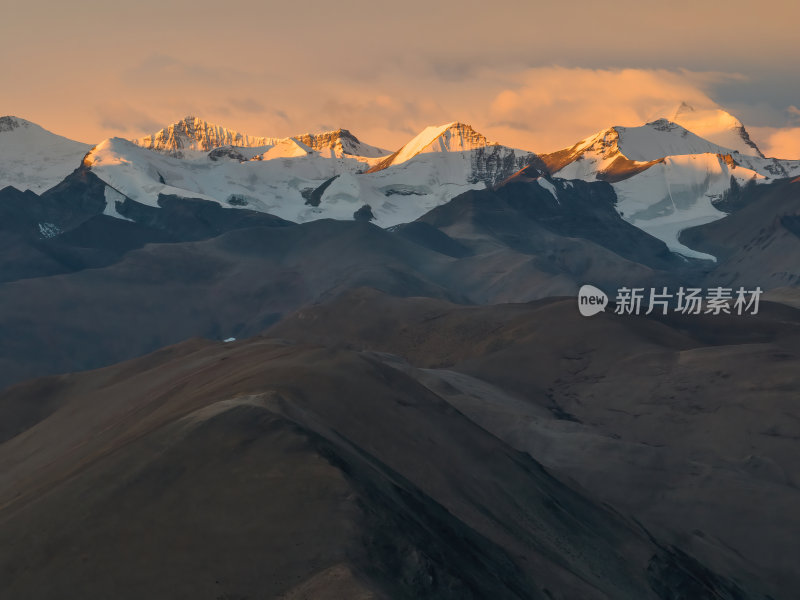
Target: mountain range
[457, 216]
[666, 178]
[238, 366]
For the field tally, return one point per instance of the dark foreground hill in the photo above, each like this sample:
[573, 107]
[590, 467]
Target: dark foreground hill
[689, 425]
[376, 447]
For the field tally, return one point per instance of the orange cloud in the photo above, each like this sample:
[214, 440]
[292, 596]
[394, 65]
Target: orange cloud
[553, 107]
[779, 143]
[539, 109]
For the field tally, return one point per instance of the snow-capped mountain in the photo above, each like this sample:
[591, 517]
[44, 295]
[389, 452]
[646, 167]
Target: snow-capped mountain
[192, 136]
[488, 162]
[310, 176]
[339, 144]
[666, 177]
[273, 181]
[32, 158]
[288, 148]
[450, 137]
[663, 138]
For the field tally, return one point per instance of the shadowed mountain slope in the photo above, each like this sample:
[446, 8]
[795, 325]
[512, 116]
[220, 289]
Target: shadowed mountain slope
[233, 285]
[688, 425]
[759, 242]
[269, 468]
[220, 273]
[73, 226]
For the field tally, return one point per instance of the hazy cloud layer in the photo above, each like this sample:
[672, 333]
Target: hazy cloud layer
[533, 75]
[123, 118]
[784, 143]
[553, 107]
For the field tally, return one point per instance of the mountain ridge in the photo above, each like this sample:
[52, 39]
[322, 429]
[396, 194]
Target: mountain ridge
[666, 177]
[193, 134]
[34, 158]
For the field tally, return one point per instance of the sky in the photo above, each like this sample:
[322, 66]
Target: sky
[533, 75]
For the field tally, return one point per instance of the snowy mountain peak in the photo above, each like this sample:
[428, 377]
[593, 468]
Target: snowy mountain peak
[339, 143]
[193, 134]
[605, 142]
[33, 158]
[617, 153]
[646, 143]
[718, 126]
[450, 137]
[288, 148]
[663, 137]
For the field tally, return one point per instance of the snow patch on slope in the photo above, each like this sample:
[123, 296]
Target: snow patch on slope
[548, 186]
[679, 193]
[112, 196]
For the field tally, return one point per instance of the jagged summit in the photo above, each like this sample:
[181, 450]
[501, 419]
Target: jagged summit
[339, 143]
[193, 134]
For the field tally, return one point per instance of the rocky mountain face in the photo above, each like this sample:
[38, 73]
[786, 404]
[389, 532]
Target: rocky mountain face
[340, 143]
[9, 123]
[489, 163]
[193, 134]
[493, 163]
